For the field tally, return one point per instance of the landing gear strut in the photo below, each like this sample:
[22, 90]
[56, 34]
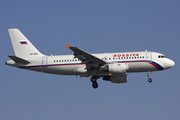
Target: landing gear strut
[149, 79]
[94, 83]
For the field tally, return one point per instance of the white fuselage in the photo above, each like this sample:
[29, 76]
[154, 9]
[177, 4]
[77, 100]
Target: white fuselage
[68, 65]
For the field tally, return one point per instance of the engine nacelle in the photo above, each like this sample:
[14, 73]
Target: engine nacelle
[115, 68]
[116, 78]
[81, 70]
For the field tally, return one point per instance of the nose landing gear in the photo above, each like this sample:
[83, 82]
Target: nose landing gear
[149, 79]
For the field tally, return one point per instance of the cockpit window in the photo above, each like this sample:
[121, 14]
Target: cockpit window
[161, 56]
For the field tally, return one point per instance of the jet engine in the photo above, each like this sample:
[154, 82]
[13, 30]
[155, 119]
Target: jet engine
[115, 68]
[116, 78]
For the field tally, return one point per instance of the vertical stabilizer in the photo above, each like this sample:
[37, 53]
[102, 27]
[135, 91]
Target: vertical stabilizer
[22, 46]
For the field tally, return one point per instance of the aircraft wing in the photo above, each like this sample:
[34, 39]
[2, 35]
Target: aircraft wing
[90, 60]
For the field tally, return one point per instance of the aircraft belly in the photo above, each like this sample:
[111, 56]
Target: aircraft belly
[63, 70]
[140, 67]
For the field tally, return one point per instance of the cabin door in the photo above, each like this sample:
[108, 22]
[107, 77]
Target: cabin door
[148, 56]
[44, 61]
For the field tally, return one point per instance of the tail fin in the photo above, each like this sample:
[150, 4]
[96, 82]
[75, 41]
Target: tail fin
[22, 46]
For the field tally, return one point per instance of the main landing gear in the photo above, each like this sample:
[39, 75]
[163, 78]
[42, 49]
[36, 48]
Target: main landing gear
[94, 82]
[149, 79]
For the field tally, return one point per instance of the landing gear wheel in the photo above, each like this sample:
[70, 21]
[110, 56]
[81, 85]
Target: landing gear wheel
[93, 79]
[149, 80]
[95, 85]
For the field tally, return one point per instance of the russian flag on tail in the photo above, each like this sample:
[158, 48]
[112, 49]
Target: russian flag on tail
[23, 42]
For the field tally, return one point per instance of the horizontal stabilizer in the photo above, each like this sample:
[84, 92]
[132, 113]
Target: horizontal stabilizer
[18, 60]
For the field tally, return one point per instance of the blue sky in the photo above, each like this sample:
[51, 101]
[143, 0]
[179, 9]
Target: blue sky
[95, 26]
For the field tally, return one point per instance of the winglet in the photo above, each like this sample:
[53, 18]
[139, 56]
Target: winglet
[67, 46]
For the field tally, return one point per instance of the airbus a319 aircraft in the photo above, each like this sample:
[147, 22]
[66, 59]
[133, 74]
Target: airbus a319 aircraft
[110, 66]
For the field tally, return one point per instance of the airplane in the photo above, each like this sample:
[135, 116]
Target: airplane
[110, 66]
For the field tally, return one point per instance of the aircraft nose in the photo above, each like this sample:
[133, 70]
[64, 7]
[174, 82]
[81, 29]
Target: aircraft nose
[170, 63]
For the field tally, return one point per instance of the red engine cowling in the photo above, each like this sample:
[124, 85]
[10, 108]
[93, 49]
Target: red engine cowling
[116, 78]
